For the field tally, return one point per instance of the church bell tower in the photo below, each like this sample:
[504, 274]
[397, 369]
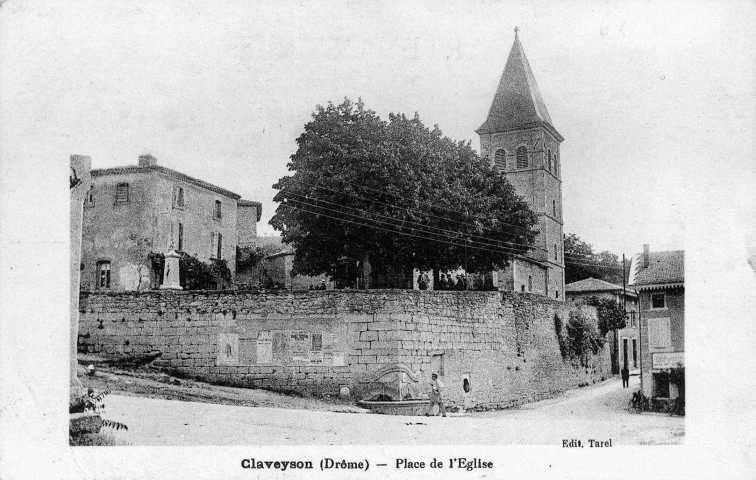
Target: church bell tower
[520, 140]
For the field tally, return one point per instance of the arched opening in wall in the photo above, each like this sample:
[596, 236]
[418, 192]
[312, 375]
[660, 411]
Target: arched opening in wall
[228, 351]
[500, 159]
[103, 274]
[549, 159]
[522, 157]
[530, 283]
[466, 385]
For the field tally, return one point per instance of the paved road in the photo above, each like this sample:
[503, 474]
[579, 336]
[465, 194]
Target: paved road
[596, 412]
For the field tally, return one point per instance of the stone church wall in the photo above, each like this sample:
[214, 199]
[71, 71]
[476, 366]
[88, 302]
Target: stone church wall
[381, 341]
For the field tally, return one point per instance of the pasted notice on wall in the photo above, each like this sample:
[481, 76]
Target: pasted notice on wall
[228, 349]
[299, 345]
[264, 348]
[282, 347]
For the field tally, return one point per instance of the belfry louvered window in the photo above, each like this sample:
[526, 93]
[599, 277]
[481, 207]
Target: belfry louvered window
[500, 160]
[522, 157]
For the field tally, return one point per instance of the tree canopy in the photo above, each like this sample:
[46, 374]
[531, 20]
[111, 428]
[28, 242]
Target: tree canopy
[397, 193]
[611, 315]
[581, 262]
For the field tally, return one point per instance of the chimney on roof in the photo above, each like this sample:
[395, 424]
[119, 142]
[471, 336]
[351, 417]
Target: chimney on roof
[147, 160]
[646, 255]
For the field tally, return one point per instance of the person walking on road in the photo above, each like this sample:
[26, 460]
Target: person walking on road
[625, 377]
[436, 396]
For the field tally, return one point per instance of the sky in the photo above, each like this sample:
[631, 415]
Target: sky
[655, 100]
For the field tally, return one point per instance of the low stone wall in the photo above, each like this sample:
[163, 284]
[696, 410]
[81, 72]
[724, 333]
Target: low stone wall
[490, 348]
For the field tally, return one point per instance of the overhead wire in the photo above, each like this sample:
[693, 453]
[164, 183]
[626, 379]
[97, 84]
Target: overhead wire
[405, 198]
[485, 239]
[568, 256]
[394, 230]
[400, 232]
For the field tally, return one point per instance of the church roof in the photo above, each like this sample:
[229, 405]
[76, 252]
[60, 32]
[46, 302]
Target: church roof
[518, 102]
[594, 285]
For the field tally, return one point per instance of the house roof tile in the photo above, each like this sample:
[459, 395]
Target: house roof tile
[594, 285]
[663, 268]
[165, 171]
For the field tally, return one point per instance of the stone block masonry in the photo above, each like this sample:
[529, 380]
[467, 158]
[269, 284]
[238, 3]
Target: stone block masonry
[491, 349]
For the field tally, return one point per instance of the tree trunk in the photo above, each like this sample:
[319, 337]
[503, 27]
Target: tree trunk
[367, 272]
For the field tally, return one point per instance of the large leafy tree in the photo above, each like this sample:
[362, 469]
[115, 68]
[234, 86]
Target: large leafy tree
[396, 193]
[581, 262]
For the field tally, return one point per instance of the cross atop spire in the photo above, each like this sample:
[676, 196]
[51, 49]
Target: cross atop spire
[517, 29]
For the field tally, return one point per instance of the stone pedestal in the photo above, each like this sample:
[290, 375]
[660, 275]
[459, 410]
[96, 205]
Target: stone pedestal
[171, 271]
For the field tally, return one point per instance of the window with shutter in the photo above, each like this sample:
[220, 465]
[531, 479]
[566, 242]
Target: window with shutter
[178, 197]
[89, 200]
[522, 157]
[181, 237]
[122, 193]
[220, 247]
[213, 245]
[659, 333]
[500, 160]
[217, 210]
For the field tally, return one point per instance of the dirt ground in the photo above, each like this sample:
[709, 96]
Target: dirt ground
[162, 410]
[150, 383]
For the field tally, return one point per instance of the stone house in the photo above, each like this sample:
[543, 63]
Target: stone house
[278, 269]
[659, 279]
[133, 211]
[520, 140]
[626, 346]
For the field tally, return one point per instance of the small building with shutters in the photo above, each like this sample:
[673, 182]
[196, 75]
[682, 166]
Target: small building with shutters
[624, 344]
[659, 279]
[135, 211]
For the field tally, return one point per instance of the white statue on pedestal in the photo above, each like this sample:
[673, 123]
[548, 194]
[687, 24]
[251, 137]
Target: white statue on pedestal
[171, 271]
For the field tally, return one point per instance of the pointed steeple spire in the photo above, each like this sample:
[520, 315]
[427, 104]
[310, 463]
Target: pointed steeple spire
[518, 102]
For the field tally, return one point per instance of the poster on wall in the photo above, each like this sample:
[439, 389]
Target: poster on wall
[299, 345]
[264, 348]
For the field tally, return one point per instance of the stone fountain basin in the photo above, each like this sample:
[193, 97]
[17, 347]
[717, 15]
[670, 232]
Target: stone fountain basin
[397, 407]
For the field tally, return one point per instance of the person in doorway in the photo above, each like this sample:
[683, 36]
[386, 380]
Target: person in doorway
[625, 377]
[421, 283]
[435, 395]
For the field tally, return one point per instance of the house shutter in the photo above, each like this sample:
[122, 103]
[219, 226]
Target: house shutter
[659, 334]
[122, 193]
[213, 245]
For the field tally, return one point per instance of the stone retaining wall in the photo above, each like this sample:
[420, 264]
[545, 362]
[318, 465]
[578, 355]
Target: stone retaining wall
[379, 341]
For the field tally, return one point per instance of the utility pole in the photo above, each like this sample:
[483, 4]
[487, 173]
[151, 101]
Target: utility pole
[624, 312]
[624, 290]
